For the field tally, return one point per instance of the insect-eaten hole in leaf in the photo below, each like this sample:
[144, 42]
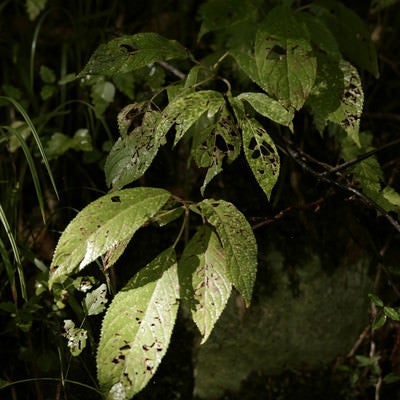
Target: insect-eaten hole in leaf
[119, 359]
[116, 199]
[126, 346]
[128, 48]
[276, 53]
[147, 347]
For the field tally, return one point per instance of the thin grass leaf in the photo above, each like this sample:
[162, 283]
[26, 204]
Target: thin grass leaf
[7, 263]
[14, 246]
[35, 134]
[32, 168]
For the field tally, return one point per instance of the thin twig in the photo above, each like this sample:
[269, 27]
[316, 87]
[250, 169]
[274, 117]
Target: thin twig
[178, 73]
[359, 341]
[360, 158]
[288, 210]
[299, 159]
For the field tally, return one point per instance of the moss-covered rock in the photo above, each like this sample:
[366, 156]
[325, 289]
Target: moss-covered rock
[308, 319]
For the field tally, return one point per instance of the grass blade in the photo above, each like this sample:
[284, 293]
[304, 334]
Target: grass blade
[35, 134]
[14, 246]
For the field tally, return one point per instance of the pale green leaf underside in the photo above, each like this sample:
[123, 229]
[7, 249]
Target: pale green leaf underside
[261, 154]
[238, 241]
[284, 58]
[270, 108]
[102, 226]
[184, 111]
[129, 53]
[137, 328]
[205, 286]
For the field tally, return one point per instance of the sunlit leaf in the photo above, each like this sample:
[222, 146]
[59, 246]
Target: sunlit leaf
[132, 154]
[269, 108]
[129, 53]
[205, 286]
[102, 226]
[137, 328]
[214, 140]
[95, 301]
[284, 58]
[238, 241]
[184, 111]
[261, 154]
[76, 337]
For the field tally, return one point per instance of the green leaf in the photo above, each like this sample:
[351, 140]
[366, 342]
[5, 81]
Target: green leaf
[102, 93]
[34, 8]
[375, 299]
[284, 58]
[132, 155]
[328, 91]
[392, 313]
[129, 53]
[102, 226]
[47, 75]
[391, 196]
[238, 241]
[220, 15]
[351, 33]
[214, 139]
[392, 377]
[270, 108]
[76, 337]
[60, 143]
[247, 62]
[67, 79]
[368, 173]
[323, 41]
[379, 321]
[348, 114]
[47, 91]
[164, 217]
[137, 328]
[261, 154]
[205, 286]
[185, 110]
[125, 83]
[95, 302]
